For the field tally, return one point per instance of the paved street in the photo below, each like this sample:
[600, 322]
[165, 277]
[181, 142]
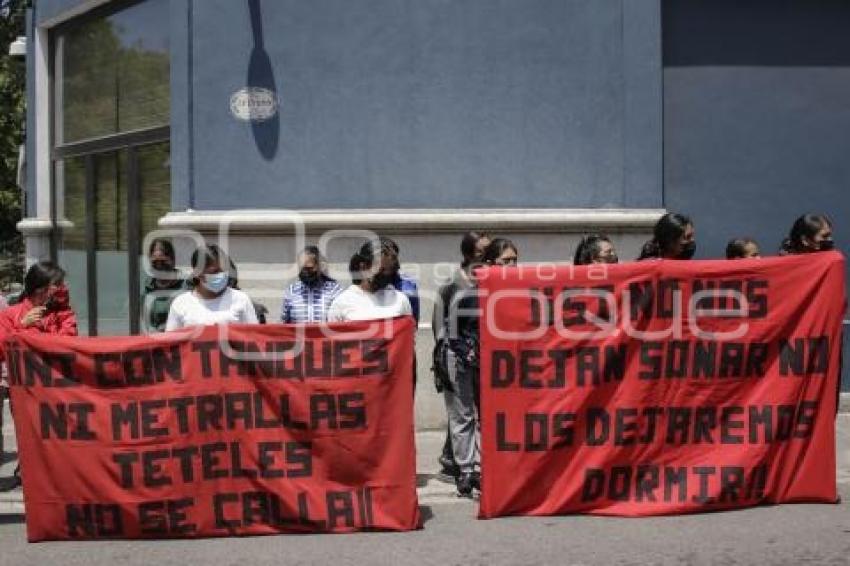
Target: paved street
[791, 534]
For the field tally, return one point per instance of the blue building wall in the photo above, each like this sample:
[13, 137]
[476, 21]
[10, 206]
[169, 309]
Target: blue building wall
[426, 103]
[756, 118]
[416, 103]
[501, 103]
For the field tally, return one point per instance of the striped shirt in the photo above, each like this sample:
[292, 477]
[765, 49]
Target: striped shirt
[304, 303]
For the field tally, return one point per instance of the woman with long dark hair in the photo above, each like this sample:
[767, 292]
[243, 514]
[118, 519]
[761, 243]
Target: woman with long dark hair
[809, 233]
[45, 307]
[45, 304]
[673, 237]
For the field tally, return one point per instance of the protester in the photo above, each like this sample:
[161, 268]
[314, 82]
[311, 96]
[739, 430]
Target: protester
[44, 307]
[472, 248]
[595, 248]
[371, 295]
[464, 342]
[392, 269]
[160, 289]
[309, 298]
[810, 233]
[501, 251]
[742, 248]
[211, 300]
[673, 238]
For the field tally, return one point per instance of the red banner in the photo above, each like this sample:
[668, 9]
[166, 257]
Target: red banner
[660, 387]
[217, 431]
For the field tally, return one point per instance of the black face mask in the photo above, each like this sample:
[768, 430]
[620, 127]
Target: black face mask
[688, 250]
[308, 277]
[161, 266]
[380, 281]
[610, 258]
[826, 245]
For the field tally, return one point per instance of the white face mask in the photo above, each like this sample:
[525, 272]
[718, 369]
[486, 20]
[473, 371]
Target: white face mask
[215, 282]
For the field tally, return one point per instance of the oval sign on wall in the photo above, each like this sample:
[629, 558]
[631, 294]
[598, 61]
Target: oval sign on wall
[254, 104]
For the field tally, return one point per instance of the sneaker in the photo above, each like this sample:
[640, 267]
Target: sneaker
[464, 485]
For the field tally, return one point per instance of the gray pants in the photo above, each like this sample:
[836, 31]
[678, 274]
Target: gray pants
[464, 427]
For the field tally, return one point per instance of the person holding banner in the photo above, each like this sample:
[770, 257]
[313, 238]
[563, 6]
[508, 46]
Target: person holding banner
[595, 248]
[212, 300]
[392, 270]
[673, 238]
[742, 248]
[45, 305]
[308, 299]
[371, 295]
[465, 345]
[810, 233]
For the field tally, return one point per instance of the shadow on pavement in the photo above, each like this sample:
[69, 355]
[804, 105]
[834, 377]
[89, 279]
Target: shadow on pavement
[426, 513]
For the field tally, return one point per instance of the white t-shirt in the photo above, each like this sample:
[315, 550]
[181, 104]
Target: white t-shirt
[190, 309]
[356, 304]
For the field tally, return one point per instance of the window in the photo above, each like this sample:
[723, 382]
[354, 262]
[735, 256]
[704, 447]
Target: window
[112, 73]
[111, 168]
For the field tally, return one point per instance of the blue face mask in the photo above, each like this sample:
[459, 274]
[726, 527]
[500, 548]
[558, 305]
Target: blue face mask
[215, 282]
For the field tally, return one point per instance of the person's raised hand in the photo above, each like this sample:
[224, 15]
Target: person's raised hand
[33, 316]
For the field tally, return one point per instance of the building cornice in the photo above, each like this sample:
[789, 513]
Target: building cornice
[414, 221]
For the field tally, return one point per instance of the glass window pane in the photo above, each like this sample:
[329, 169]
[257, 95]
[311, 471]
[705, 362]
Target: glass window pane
[110, 216]
[113, 275]
[154, 167]
[111, 202]
[113, 73]
[71, 185]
